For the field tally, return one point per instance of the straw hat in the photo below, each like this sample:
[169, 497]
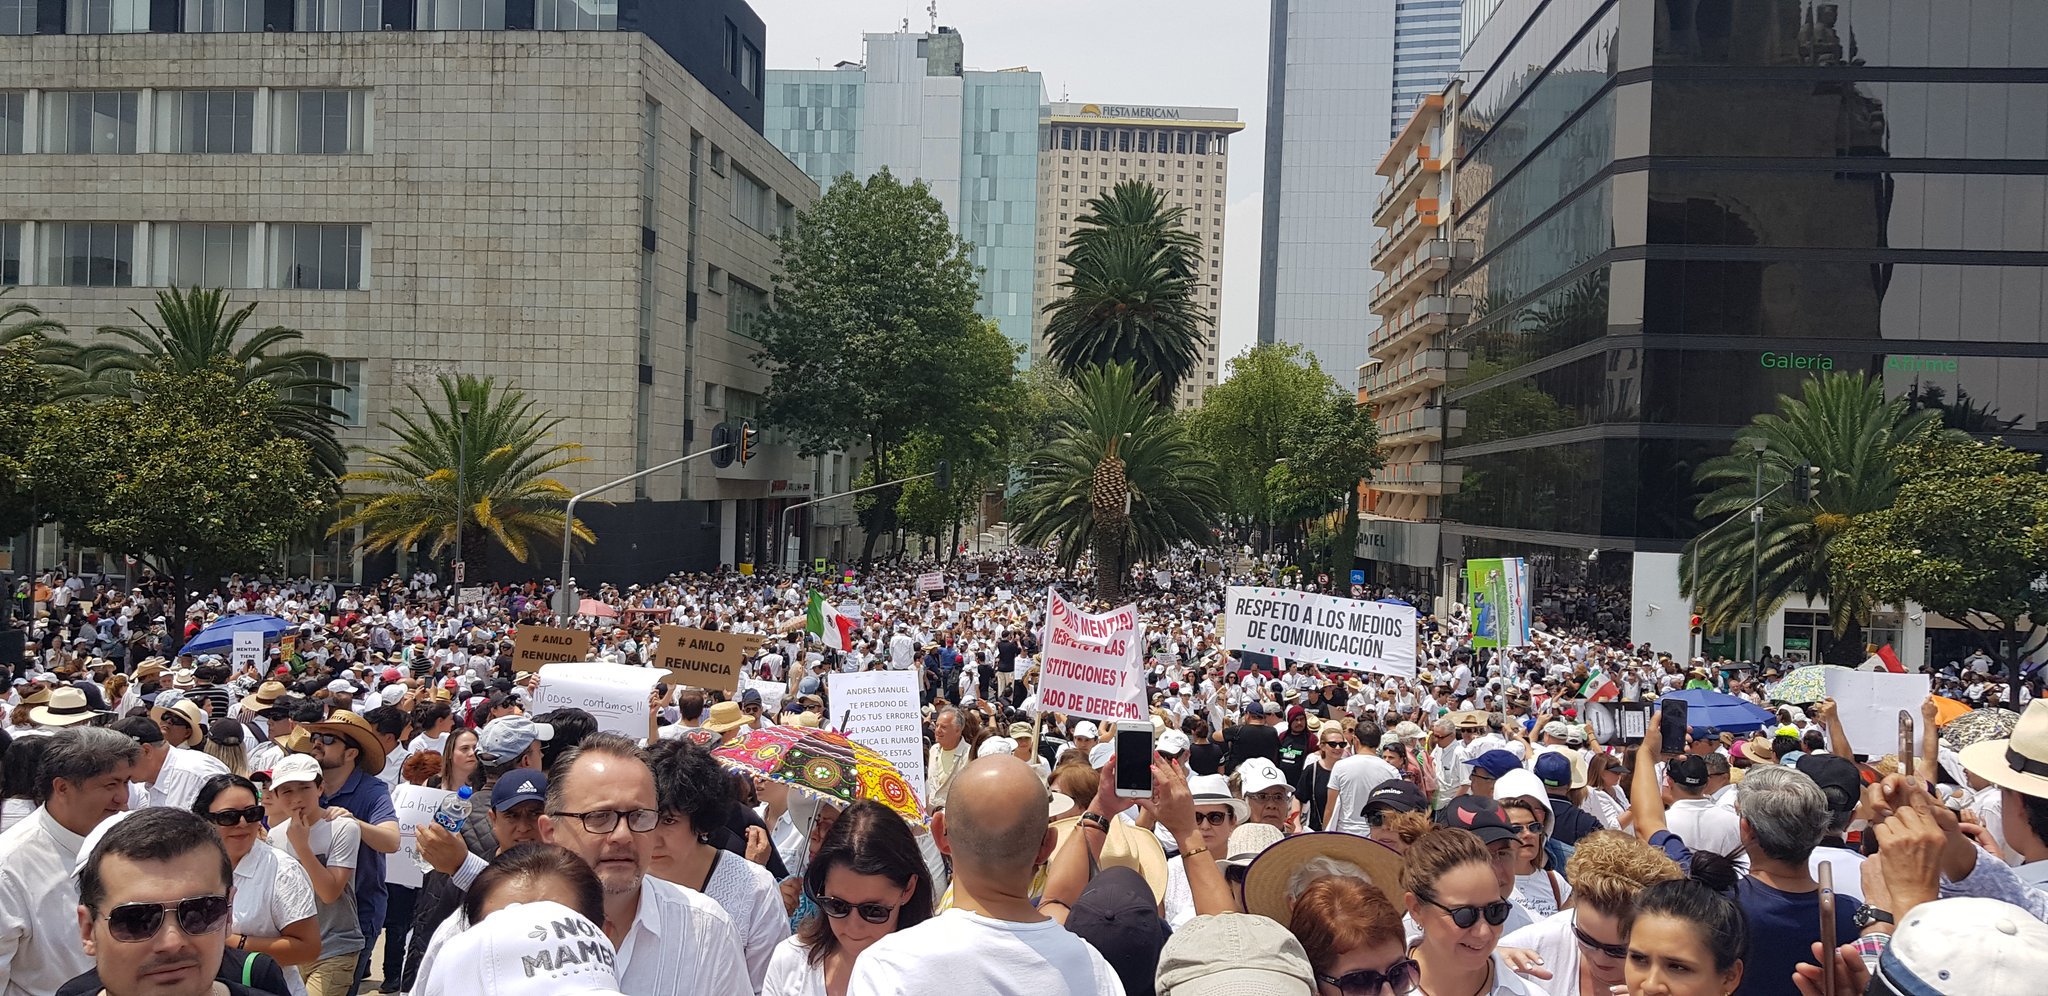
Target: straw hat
[2019, 763]
[1126, 846]
[1268, 885]
[149, 670]
[187, 710]
[725, 717]
[359, 733]
[67, 706]
[266, 696]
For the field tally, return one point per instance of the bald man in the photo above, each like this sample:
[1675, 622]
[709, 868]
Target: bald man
[994, 939]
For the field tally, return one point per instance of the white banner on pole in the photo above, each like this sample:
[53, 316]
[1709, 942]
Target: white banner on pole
[248, 650]
[879, 709]
[1322, 629]
[614, 694]
[1094, 663]
[1868, 703]
[416, 805]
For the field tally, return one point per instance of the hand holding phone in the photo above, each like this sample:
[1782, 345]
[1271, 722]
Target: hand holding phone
[1673, 727]
[1134, 762]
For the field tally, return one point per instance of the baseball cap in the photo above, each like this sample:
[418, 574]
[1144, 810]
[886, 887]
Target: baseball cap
[1099, 754]
[2008, 950]
[1481, 816]
[1553, 770]
[1838, 777]
[1087, 729]
[1172, 742]
[1689, 771]
[1259, 774]
[295, 768]
[1399, 796]
[1557, 728]
[517, 786]
[507, 737]
[1119, 916]
[393, 674]
[1231, 954]
[526, 949]
[750, 696]
[1496, 762]
[341, 686]
[1254, 709]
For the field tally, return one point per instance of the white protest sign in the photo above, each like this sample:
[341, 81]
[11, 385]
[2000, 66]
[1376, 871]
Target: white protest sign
[879, 709]
[771, 695]
[473, 595]
[1868, 703]
[614, 694]
[1322, 629]
[1094, 664]
[415, 805]
[248, 650]
[931, 581]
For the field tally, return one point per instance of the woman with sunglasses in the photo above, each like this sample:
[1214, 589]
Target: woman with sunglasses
[1353, 937]
[1538, 887]
[1583, 951]
[868, 881]
[1455, 900]
[1333, 744]
[275, 912]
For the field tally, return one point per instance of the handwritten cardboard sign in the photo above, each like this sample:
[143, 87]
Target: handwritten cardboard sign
[538, 645]
[700, 658]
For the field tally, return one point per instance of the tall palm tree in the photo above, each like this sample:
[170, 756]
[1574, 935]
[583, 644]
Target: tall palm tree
[1122, 477]
[1132, 294]
[505, 492]
[19, 319]
[1842, 425]
[194, 328]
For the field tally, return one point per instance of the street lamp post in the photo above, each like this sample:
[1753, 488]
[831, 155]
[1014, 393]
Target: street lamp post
[461, 509]
[565, 593]
[1277, 462]
[1756, 539]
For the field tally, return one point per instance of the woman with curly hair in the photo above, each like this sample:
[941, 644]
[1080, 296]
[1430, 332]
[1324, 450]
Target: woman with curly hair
[1583, 951]
[694, 795]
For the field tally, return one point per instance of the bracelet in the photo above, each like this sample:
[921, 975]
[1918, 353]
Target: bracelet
[1204, 849]
[1096, 820]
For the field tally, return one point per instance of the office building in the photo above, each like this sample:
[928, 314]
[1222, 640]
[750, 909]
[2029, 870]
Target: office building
[1678, 219]
[1343, 78]
[913, 108]
[1087, 149]
[573, 199]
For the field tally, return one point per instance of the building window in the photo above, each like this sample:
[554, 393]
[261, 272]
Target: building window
[82, 254]
[205, 121]
[750, 67]
[577, 15]
[13, 122]
[318, 122]
[10, 253]
[1123, 142]
[643, 434]
[204, 256]
[732, 47]
[1201, 145]
[746, 305]
[106, 17]
[461, 15]
[84, 121]
[1087, 140]
[646, 324]
[346, 399]
[338, 15]
[317, 257]
[650, 163]
[752, 203]
[17, 17]
[223, 15]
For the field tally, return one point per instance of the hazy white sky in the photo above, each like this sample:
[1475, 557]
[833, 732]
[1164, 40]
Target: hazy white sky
[1209, 53]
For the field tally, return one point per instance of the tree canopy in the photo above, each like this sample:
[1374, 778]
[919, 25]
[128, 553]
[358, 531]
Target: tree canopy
[1132, 294]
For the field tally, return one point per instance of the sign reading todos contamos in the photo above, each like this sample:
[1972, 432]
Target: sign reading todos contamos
[1322, 629]
[1094, 663]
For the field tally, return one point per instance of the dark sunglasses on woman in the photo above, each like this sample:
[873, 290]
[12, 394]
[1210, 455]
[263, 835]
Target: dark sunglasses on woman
[1615, 951]
[133, 922]
[838, 909]
[1401, 977]
[230, 817]
[1496, 913]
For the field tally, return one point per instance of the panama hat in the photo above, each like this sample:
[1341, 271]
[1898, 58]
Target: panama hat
[189, 712]
[67, 706]
[359, 733]
[725, 717]
[1125, 846]
[266, 695]
[2020, 762]
[1269, 887]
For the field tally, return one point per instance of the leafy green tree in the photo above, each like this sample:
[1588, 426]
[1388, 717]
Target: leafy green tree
[24, 386]
[1133, 292]
[873, 335]
[1123, 479]
[1964, 538]
[1331, 450]
[506, 456]
[1249, 422]
[194, 330]
[186, 474]
[1857, 439]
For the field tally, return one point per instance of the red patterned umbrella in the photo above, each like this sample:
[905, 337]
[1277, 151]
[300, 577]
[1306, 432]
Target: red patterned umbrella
[826, 764]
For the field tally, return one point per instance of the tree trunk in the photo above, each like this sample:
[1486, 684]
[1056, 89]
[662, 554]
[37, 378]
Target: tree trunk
[1109, 568]
[1848, 647]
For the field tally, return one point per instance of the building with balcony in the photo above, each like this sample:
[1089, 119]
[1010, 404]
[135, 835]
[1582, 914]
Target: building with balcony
[1662, 207]
[1399, 538]
[574, 199]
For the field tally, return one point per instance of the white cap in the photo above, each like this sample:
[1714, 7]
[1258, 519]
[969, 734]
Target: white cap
[526, 949]
[995, 745]
[1259, 774]
[2007, 948]
[1087, 729]
[295, 768]
[341, 686]
[1099, 754]
[1172, 742]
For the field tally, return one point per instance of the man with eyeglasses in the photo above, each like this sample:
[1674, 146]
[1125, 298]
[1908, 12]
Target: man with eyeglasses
[82, 780]
[153, 907]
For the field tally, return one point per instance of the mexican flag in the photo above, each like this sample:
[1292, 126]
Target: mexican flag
[834, 629]
[1599, 688]
[1884, 660]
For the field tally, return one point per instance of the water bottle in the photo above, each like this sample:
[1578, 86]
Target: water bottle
[452, 814]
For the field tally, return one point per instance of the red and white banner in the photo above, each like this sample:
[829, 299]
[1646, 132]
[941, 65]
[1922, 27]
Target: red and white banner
[1094, 664]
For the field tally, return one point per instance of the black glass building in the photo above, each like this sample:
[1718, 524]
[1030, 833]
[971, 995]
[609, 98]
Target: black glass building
[1682, 208]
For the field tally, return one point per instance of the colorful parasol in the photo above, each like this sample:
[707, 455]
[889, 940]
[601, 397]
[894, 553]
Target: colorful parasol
[1803, 686]
[826, 764]
[1948, 710]
[1978, 726]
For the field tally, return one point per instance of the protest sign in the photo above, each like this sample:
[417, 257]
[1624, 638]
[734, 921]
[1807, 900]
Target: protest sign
[1868, 704]
[700, 658]
[931, 581]
[1321, 629]
[879, 709]
[539, 645]
[1094, 663]
[614, 694]
[473, 595]
[248, 650]
[415, 805]
[771, 695]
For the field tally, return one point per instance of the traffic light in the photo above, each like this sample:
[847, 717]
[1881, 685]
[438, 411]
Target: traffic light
[721, 436]
[944, 481]
[1696, 628]
[1805, 483]
[750, 440]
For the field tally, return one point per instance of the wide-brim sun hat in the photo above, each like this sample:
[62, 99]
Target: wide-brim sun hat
[1267, 884]
[187, 710]
[2020, 762]
[1125, 846]
[67, 706]
[359, 733]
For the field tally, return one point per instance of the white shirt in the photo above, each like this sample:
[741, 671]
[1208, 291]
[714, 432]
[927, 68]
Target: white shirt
[178, 781]
[1704, 826]
[961, 952]
[1847, 866]
[1552, 939]
[790, 972]
[272, 893]
[1353, 779]
[39, 946]
[750, 899]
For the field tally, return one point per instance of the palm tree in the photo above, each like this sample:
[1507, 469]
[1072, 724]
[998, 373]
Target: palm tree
[1122, 478]
[1844, 427]
[196, 329]
[1132, 294]
[19, 319]
[505, 491]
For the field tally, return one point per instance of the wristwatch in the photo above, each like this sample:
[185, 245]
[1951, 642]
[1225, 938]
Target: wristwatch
[1867, 914]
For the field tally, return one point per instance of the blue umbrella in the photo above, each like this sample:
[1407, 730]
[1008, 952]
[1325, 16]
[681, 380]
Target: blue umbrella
[1395, 601]
[219, 635]
[1706, 707]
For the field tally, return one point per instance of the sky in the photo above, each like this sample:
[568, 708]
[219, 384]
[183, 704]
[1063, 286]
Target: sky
[1207, 53]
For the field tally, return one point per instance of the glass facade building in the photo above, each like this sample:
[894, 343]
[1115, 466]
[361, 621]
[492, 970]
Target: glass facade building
[1682, 208]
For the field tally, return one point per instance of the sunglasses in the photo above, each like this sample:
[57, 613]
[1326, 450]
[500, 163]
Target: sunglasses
[326, 739]
[1400, 977]
[1496, 913]
[838, 909]
[1615, 951]
[230, 817]
[1517, 828]
[1212, 819]
[134, 922]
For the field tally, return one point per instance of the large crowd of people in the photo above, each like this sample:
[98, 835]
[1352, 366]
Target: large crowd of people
[178, 824]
